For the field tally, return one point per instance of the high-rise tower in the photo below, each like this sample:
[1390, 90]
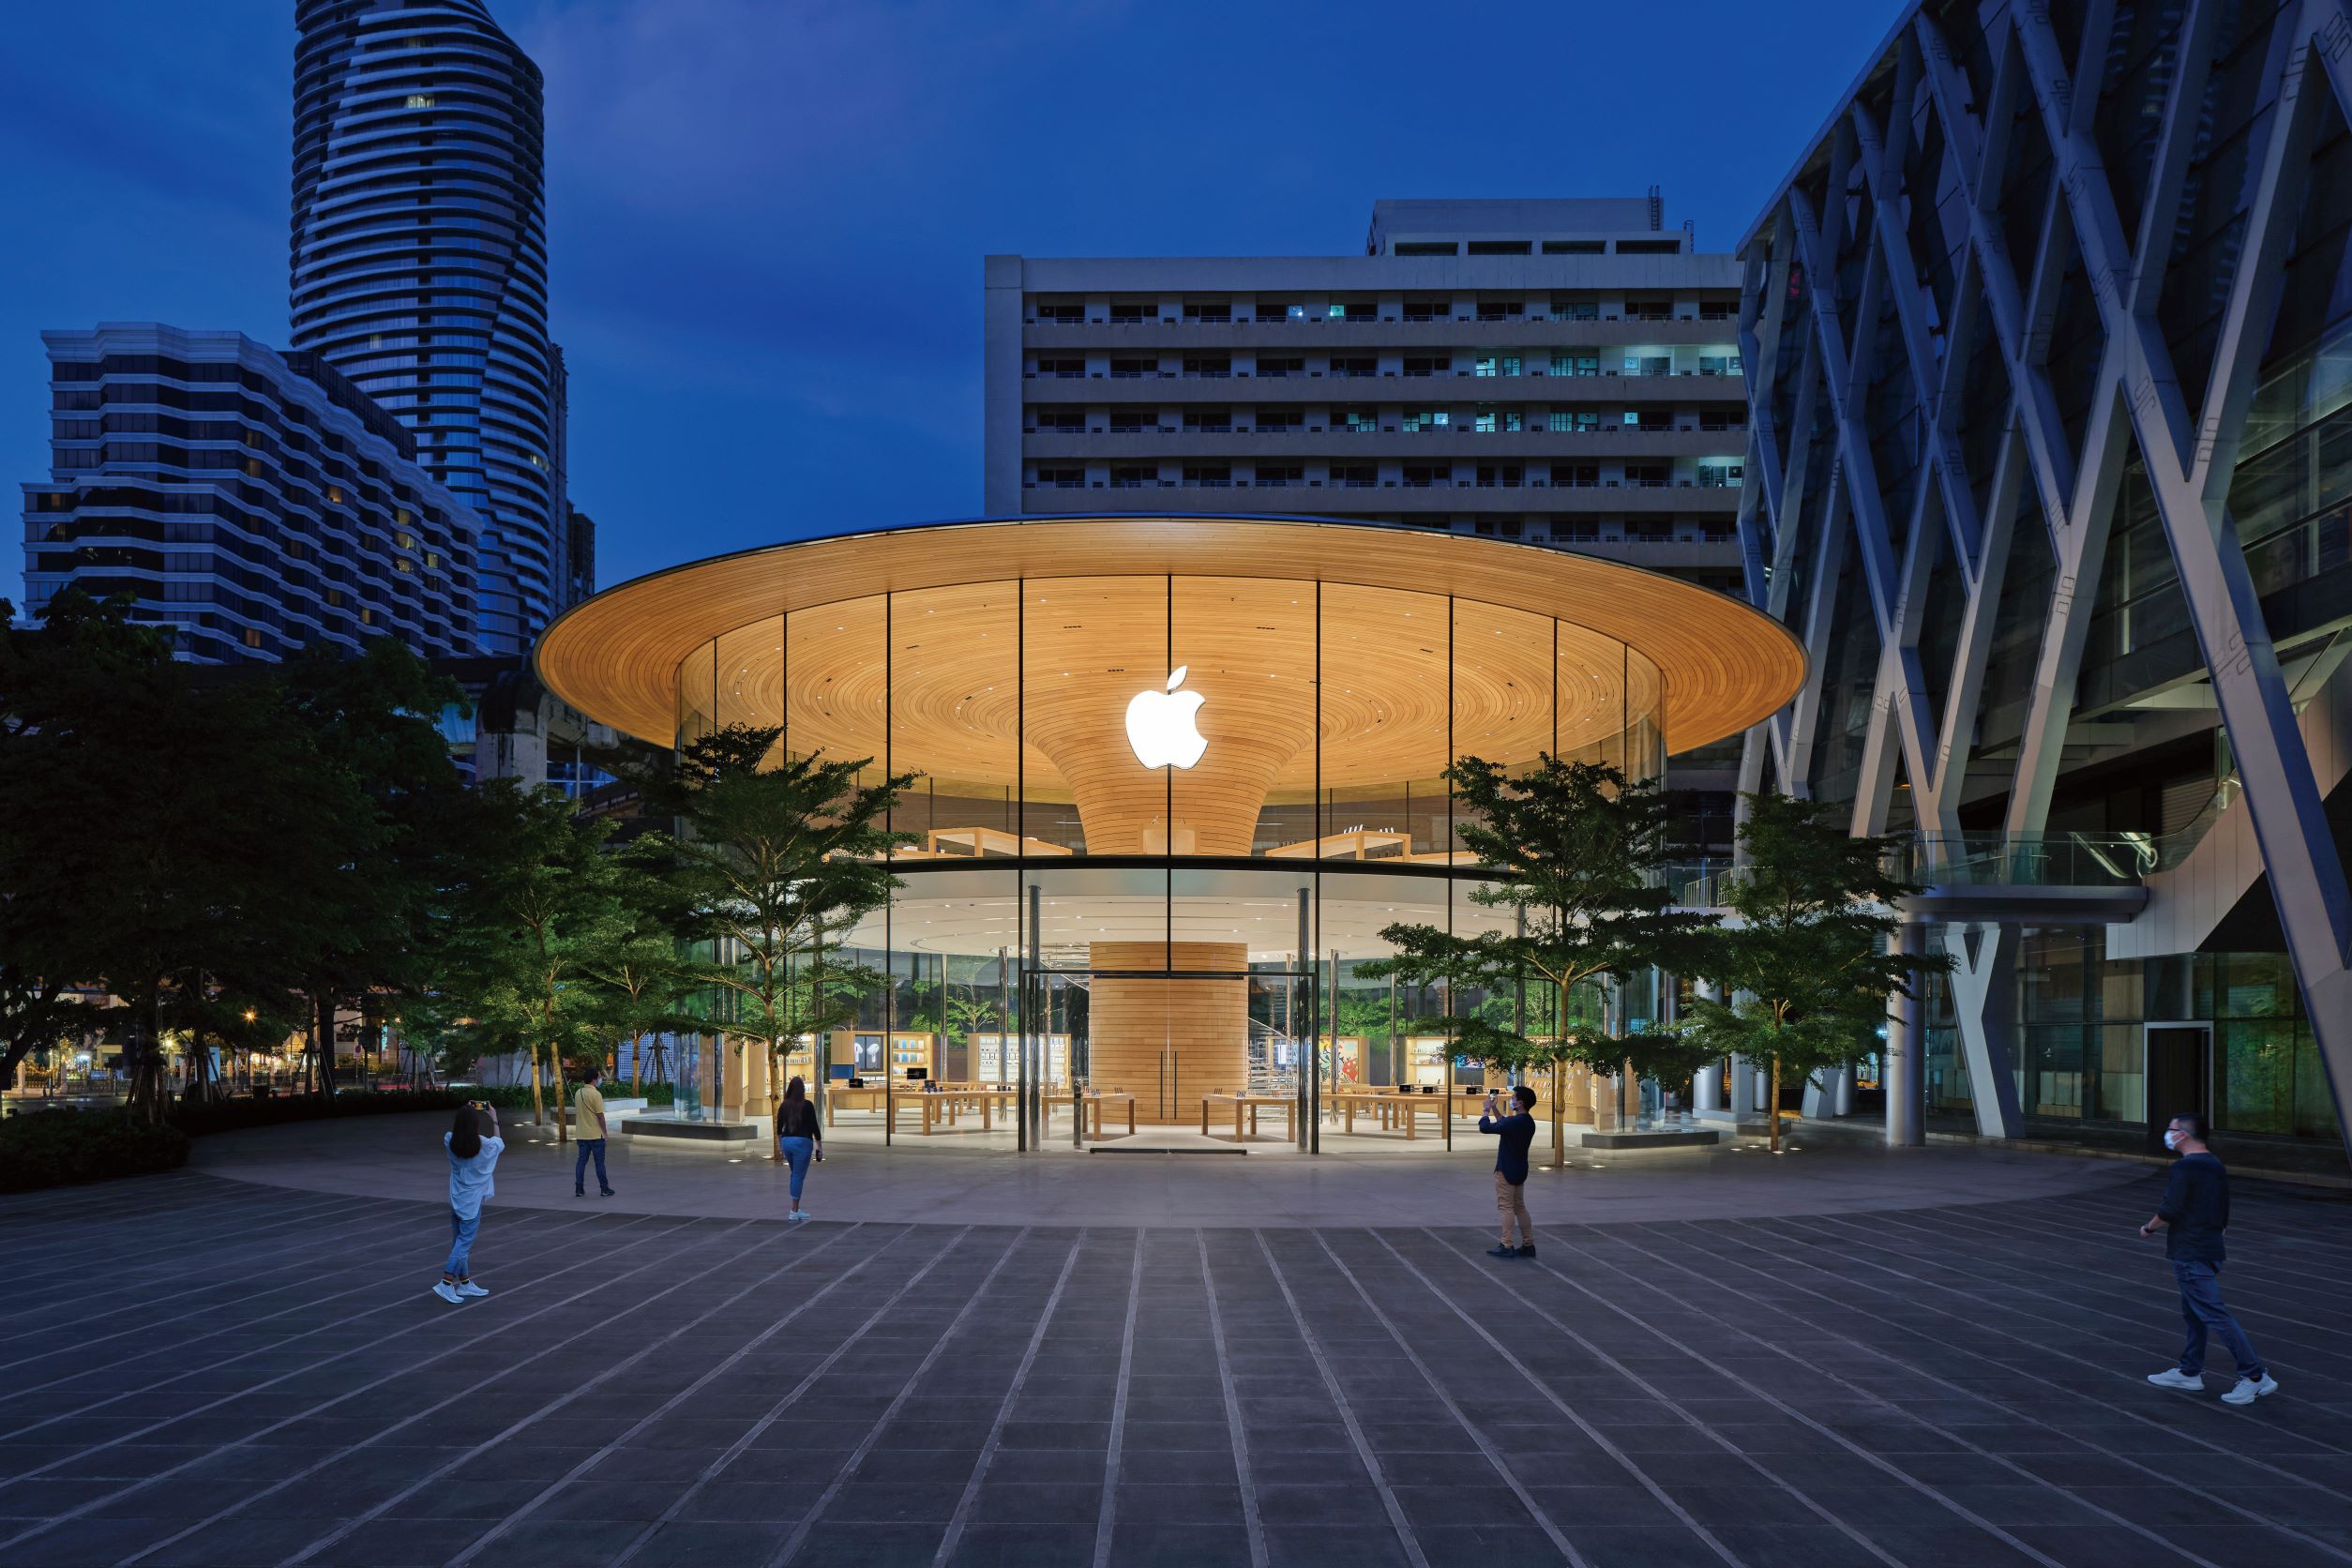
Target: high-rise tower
[420, 266]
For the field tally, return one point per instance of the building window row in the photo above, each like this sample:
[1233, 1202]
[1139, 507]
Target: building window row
[1715, 360]
[1386, 419]
[1687, 532]
[1705, 473]
[1430, 306]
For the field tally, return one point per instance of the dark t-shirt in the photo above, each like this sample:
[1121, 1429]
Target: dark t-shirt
[1516, 1131]
[2196, 1209]
[798, 1118]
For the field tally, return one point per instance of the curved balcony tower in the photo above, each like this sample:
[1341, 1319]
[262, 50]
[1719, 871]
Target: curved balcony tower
[419, 265]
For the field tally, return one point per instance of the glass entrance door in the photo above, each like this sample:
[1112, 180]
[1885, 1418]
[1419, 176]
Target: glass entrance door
[1180, 1047]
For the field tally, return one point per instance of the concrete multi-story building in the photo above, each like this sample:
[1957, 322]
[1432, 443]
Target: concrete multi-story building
[2045, 336]
[1557, 371]
[419, 267]
[255, 502]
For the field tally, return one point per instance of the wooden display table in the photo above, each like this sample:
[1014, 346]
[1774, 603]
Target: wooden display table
[1095, 1102]
[946, 1104]
[974, 842]
[1408, 1109]
[1287, 1103]
[1380, 1102]
[930, 1106]
[1355, 844]
[867, 1098]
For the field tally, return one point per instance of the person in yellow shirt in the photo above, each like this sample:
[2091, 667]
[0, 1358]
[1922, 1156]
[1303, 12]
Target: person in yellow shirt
[588, 1128]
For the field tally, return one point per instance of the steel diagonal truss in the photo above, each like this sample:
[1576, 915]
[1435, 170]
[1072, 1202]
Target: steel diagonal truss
[1929, 141]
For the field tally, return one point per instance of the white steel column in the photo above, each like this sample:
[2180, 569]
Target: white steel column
[1904, 1077]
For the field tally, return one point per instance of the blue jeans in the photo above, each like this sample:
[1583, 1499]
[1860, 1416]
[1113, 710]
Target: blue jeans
[579, 1166]
[2201, 1309]
[462, 1230]
[797, 1151]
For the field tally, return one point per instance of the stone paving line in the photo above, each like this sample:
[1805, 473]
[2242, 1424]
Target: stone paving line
[2036, 1363]
[2035, 1370]
[1998, 1280]
[584, 1387]
[1927, 1388]
[1245, 1487]
[1863, 1455]
[591, 1382]
[75, 1459]
[374, 1289]
[400, 1221]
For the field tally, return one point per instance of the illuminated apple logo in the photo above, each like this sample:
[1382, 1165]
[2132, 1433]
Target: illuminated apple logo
[1160, 725]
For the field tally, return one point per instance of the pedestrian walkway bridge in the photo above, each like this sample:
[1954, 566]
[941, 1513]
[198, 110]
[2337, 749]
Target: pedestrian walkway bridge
[1995, 875]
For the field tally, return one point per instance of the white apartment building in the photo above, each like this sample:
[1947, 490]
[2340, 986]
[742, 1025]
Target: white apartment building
[1563, 372]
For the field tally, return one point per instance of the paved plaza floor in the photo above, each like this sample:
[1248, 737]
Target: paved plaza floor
[213, 1370]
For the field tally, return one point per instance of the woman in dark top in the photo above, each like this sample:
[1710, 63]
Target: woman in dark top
[1514, 1133]
[798, 1137]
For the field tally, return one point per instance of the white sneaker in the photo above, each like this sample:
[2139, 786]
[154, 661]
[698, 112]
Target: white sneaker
[2248, 1391]
[448, 1292]
[468, 1287]
[2172, 1377]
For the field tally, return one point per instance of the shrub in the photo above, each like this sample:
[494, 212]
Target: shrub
[55, 1148]
[222, 1116]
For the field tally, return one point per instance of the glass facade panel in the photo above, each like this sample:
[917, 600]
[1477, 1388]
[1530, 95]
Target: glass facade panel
[1117, 861]
[697, 697]
[836, 683]
[2082, 1021]
[1089, 646]
[748, 669]
[1048, 717]
[1385, 720]
[955, 694]
[2258, 1061]
[1247, 649]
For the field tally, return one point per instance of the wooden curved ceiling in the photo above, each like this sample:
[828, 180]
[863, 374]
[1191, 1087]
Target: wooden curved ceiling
[1096, 629]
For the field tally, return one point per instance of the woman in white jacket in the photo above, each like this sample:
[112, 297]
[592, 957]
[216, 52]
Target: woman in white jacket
[474, 1147]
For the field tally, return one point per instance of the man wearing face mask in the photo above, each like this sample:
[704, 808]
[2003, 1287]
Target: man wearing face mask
[2194, 1214]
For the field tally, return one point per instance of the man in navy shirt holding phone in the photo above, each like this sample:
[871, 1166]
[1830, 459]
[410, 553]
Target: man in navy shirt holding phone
[1514, 1133]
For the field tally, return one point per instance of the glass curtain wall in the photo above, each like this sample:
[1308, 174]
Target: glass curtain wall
[1167, 771]
[2082, 1037]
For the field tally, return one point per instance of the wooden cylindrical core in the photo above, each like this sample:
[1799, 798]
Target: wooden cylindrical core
[1132, 1026]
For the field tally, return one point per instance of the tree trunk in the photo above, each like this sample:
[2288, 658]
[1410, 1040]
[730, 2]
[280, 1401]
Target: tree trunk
[1773, 1109]
[1560, 1113]
[563, 1097]
[637, 1065]
[539, 1096]
[776, 1101]
[143, 1098]
[311, 1044]
[201, 1088]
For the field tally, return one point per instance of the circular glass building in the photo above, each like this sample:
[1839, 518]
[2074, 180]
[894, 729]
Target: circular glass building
[1170, 772]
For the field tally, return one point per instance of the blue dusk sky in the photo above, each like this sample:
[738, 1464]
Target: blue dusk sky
[766, 217]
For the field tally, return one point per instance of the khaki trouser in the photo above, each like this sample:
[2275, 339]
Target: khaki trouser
[1511, 1197]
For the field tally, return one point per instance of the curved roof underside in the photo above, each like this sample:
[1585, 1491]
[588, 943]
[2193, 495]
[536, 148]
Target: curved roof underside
[615, 658]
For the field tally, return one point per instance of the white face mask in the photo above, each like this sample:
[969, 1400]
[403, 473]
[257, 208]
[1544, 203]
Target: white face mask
[2172, 1137]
